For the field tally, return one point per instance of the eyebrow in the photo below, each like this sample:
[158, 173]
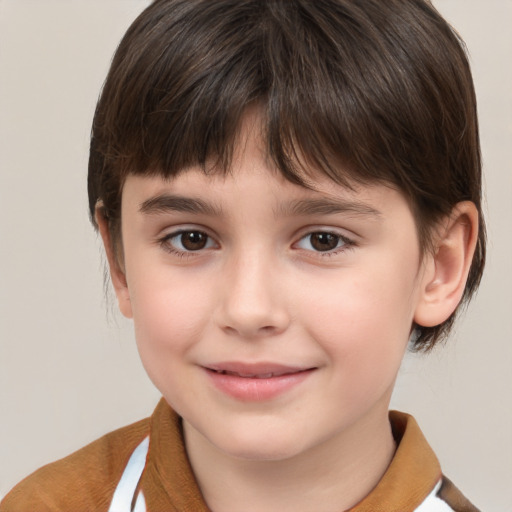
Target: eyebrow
[165, 203]
[327, 206]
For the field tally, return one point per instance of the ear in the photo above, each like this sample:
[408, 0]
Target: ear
[117, 273]
[447, 267]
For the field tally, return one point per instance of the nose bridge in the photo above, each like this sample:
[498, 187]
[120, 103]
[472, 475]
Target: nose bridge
[253, 305]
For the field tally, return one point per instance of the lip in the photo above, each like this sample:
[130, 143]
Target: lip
[256, 382]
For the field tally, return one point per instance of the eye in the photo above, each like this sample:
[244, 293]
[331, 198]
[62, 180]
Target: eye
[323, 241]
[188, 241]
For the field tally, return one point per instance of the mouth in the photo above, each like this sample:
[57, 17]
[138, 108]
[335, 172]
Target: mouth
[256, 382]
[256, 371]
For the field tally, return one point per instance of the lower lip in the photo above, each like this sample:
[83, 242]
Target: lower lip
[256, 390]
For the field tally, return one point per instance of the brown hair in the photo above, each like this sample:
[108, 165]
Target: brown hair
[363, 90]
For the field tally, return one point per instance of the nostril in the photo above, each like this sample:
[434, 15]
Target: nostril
[248, 331]
[268, 329]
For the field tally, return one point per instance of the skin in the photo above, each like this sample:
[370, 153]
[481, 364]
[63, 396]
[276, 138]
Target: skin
[260, 291]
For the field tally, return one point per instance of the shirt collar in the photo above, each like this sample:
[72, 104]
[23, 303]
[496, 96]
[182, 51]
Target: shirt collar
[411, 476]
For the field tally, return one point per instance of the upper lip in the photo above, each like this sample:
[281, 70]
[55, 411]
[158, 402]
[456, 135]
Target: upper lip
[256, 370]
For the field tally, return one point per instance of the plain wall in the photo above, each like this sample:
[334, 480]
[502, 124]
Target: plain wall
[69, 371]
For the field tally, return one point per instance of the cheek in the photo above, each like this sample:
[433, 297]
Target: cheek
[362, 322]
[169, 315]
[362, 306]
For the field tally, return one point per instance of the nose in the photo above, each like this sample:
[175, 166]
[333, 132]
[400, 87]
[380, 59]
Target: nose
[253, 301]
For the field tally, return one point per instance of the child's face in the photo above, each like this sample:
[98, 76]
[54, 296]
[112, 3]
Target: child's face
[254, 275]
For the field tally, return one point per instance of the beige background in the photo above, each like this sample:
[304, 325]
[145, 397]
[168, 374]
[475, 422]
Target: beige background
[69, 371]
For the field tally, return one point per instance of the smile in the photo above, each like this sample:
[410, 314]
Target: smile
[254, 375]
[253, 383]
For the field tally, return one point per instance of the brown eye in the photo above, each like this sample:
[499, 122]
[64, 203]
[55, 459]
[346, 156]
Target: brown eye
[324, 241]
[187, 241]
[193, 240]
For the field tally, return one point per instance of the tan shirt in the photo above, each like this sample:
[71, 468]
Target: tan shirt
[87, 479]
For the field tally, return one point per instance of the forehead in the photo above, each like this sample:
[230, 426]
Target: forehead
[256, 190]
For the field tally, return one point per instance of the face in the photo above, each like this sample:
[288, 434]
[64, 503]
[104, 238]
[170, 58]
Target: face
[273, 318]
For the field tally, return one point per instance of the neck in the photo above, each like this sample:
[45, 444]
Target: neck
[337, 473]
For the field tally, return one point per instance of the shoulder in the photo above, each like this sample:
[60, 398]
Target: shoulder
[84, 480]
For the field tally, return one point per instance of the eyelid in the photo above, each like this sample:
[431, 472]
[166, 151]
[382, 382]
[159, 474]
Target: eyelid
[170, 231]
[344, 233]
[164, 240]
[349, 242]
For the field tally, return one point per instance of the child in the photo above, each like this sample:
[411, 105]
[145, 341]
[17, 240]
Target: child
[288, 193]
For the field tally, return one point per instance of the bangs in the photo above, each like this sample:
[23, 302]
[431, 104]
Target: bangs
[327, 88]
[185, 104]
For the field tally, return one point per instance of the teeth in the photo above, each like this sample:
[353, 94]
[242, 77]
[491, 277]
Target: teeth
[252, 375]
[247, 375]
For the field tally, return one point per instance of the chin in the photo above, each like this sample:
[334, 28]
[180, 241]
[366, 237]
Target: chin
[260, 447]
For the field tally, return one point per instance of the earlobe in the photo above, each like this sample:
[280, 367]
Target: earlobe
[447, 267]
[117, 273]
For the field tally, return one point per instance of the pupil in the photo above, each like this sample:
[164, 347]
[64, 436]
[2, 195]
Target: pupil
[193, 240]
[324, 241]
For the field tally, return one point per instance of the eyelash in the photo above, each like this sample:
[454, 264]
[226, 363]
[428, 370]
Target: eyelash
[348, 243]
[165, 243]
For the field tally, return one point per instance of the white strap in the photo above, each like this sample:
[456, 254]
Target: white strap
[125, 491]
[433, 503]
[140, 505]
